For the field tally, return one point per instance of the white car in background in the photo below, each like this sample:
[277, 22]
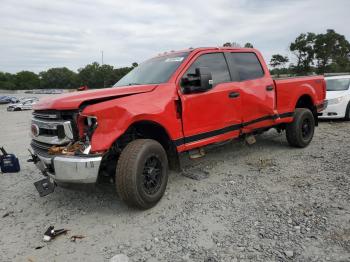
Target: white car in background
[24, 104]
[338, 98]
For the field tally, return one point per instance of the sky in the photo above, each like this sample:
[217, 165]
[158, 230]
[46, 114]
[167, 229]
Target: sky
[36, 35]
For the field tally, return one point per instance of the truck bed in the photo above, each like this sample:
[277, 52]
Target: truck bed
[312, 85]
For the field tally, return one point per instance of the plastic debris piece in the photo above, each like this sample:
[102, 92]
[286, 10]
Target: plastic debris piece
[75, 237]
[51, 233]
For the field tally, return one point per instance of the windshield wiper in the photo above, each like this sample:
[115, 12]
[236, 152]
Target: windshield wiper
[134, 84]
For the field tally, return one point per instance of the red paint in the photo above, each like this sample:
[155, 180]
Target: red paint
[201, 112]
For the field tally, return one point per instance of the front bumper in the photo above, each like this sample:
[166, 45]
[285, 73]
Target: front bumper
[71, 169]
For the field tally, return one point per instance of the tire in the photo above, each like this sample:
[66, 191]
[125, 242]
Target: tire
[142, 173]
[347, 113]
[301, 131]
[17, 109]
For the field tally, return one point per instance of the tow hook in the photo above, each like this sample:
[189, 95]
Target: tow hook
[34, 158]
[39, 164]
[44, 186]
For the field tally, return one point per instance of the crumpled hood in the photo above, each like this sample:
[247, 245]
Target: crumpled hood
[75, 99]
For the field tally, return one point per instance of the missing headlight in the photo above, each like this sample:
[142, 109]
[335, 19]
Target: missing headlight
[87, 126]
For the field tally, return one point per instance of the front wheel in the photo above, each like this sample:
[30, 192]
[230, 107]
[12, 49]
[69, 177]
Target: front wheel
[142, 173]
[301, 131]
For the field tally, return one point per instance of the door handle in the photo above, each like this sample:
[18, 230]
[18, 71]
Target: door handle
[233, 95]
[269, 88]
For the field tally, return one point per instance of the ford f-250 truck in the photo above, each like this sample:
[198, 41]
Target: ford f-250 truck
[176, 102]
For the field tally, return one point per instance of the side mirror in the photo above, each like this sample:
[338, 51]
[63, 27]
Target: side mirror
[200, 81]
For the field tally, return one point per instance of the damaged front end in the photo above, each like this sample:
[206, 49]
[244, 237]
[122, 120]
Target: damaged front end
[61, 141]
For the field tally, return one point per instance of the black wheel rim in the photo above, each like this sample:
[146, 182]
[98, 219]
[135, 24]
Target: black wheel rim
[152, 175]
[306, 128]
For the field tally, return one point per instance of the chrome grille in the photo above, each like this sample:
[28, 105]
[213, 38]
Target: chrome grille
[55, 128]
[45, 115]
[40, 148]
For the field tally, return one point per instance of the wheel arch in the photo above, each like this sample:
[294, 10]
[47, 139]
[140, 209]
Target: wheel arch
[151, 130]
[306, 101]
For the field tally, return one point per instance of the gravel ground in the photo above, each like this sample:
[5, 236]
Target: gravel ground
[264, 202]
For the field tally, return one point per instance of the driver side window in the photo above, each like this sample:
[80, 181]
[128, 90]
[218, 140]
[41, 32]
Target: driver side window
[216, 64]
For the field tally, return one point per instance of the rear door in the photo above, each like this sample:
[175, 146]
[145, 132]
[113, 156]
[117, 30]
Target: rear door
[214, 115]
[257, 90]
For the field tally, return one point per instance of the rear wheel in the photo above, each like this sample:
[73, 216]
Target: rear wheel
[142, 173]
[301, 131]
[17, 109]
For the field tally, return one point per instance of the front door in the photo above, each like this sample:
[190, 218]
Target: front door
[213, 115]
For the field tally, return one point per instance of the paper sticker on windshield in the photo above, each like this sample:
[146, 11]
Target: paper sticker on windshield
[174, 59]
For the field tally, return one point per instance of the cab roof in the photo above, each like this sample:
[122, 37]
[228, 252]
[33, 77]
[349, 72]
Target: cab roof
[198, 49]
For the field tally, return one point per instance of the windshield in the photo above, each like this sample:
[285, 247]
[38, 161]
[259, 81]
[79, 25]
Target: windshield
[153, 71]
[338, 84]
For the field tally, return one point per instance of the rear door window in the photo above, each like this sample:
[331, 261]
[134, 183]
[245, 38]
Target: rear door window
[247, 66]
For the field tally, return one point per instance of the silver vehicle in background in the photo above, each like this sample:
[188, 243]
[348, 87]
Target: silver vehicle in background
[23, 104]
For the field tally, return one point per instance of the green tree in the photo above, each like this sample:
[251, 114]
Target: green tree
[278, 60]
[303, 49]
[231, 44]
[107, 72]
[118, 73]
[91, 76]
[58, 78]
[331, 52]
[27, 80]
[248, 45]
[97, 76]
[7, 81]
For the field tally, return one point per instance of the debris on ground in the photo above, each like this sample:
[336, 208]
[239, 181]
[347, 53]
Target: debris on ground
[75, 237]
[289, 253]
[7, 214]
[196, 174]
[261, 164]
[51, 233]
[250, 139]
[119, 258]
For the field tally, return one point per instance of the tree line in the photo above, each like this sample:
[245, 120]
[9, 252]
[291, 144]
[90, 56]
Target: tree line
[92, 75]
[313, 53]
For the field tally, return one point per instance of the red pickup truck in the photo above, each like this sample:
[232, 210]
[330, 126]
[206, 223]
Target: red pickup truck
[176, 102]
